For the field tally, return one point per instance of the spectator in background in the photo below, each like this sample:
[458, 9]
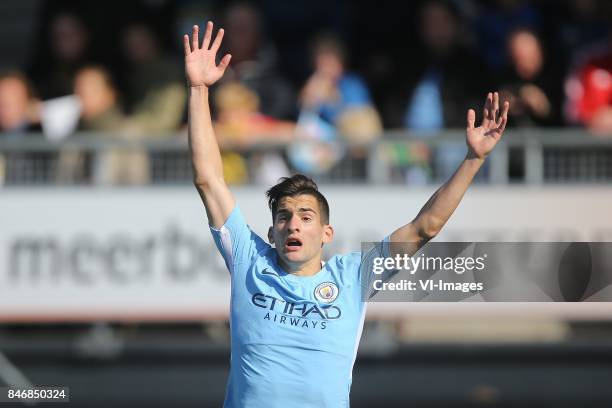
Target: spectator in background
[153, 93]
[17, 104]
[338, 97]
[240, 121]
[449, 77]
[68, 50]
[589, 93]
[532, 86]
[254, 62]
[98, 95]
[240, 124]
[334, 102]
[494, 22]
[17, 116]
[253, 102]
[100, 111]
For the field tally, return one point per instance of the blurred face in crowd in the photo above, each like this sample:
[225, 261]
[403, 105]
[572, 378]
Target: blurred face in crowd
[328, 63]
[69, 37]
[299, 230]
[242, 32]
[14, 101]
[139, 44]
[95, 91]
[438, 28]
[525, 53]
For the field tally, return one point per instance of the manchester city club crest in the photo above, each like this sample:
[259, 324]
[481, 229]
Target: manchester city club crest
[326, 292]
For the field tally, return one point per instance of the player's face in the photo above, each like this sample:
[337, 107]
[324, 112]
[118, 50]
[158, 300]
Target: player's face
[298, 231]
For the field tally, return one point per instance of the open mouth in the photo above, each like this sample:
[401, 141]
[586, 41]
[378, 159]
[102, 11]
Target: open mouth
[293, 244]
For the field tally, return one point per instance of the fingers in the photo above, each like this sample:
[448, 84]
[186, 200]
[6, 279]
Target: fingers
[207, 35]
[491, 110]
[504, 114]
[495, 106]
[502, 125]
[471, 118]
[195, 40]
[503, 119]
[217, 42]
[225, 61]
[186, 45]
[486, 118]
[492, 118]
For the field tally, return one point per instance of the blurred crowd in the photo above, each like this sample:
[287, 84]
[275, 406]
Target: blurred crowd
[312, 74]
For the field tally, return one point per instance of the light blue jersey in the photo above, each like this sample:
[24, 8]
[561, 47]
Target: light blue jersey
[294, 338]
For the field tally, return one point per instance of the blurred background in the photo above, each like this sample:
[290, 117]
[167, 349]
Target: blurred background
[109, 280]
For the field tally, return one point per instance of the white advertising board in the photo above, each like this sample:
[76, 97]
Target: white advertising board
[81, 254]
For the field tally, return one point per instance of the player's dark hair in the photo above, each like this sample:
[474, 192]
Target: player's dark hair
[295, 185]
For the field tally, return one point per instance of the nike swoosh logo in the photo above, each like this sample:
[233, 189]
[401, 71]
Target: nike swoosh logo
[266, 271]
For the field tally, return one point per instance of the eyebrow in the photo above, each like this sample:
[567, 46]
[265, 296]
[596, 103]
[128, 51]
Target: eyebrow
[306, 209]
[302, 209]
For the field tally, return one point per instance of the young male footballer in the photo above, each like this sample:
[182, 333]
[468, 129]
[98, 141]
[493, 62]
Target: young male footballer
[295, 320]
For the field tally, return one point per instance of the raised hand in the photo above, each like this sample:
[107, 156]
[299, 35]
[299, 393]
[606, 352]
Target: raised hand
[482, 139]
[201, 66]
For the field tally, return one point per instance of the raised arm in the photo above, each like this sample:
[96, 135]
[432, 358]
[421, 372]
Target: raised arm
[438, 209]
[202, 71]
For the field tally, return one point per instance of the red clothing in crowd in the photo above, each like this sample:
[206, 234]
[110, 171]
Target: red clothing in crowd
[593, 89]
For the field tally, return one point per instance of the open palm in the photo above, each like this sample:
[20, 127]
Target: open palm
[201, 66]
[482, 139]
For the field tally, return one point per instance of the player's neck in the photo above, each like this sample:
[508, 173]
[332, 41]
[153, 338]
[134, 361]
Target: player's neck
[308, 268]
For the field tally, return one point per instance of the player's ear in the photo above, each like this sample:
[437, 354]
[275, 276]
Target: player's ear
[270, 236]
[328, 234]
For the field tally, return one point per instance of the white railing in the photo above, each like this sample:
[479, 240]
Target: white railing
[532, 156]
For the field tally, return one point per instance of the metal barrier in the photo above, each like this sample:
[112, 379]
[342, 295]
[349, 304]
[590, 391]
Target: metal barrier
[532, 156]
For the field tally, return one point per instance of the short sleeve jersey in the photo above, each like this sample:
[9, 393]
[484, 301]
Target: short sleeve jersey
[294, 338]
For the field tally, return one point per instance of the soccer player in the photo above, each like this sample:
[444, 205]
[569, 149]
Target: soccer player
[296, 320]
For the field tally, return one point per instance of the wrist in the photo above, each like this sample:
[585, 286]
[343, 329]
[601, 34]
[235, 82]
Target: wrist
[474, 159]
[198, 88]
